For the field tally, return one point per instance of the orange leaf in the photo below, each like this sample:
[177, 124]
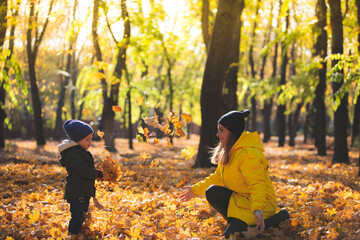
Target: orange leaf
[116, 109]
[186, 117]
[145, 156]
[139, 100]
[188, 152]
[100, 133]
[168, 142]
[156, 141]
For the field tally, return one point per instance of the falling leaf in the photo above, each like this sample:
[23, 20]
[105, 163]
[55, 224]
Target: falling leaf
[139, 100]
[186, 117]
[188, 152]
[168, 142]
[100, 133]
[155, 141]
[116, 109]
[180, 132]
[144, 156]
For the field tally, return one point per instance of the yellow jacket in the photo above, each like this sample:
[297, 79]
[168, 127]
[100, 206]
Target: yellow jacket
[247, 176]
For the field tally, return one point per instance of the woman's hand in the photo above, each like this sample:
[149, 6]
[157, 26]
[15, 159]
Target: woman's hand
[260, 224]
[186, 196]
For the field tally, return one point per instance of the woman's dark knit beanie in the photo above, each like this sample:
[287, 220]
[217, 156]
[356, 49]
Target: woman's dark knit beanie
[76, 130]
[234, 121]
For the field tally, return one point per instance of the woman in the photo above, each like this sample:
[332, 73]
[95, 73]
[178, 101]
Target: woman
[240, 189]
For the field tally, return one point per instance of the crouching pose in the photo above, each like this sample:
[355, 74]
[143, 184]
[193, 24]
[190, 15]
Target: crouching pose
[240, 189]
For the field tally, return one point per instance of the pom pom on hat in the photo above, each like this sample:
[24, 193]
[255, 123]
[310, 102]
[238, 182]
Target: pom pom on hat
[234, 121]
[76, 130]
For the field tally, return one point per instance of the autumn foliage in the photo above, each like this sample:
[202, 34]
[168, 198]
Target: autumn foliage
[323, 199]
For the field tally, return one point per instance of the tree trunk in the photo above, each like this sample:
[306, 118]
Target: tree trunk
[355, 139]
[295, 124]
[205, 9]
[252, 67]
[3, 27]
[231, 78]
[341, 154]
[319, 102]
[280, 113]
[213, 79]
[64, 81]
[269, 102]
[32, 50]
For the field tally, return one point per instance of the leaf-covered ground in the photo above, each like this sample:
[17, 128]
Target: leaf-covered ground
[323, 200]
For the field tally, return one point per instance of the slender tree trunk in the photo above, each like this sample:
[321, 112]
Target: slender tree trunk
[64, 82]
[295, 124]
[231, 78]
[3, 27]
[341, 154]
[32, 47]
[213, 79]
[321, 51]
[252, 67]
[269, 102]
[280, 113]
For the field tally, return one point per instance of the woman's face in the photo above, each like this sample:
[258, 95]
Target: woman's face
[222, 134]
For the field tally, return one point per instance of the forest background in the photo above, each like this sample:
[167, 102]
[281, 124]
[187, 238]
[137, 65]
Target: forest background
[149, 69]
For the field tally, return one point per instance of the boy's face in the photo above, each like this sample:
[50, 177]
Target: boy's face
[86, 141]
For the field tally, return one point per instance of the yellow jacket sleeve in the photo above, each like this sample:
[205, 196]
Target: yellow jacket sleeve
[253, 171]
[213, 179]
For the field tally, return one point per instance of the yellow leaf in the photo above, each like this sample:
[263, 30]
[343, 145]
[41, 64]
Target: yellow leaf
[99, 75]
[168, 142]
[140, 130]
[187, 152]
[156, 141]
[116, 109]
[145, 156]
[34, 216]
[186, 117]
[331, 211]
[100, 65]
[100, 133]
[180, 132]
[139, 100]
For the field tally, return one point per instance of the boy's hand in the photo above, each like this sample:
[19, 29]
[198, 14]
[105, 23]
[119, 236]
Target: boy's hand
[105, 175]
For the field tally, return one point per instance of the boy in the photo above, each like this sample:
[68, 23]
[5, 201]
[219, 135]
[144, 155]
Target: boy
[79, 164]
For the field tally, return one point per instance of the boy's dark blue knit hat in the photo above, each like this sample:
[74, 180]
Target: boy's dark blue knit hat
[234, 121]
[77, 130]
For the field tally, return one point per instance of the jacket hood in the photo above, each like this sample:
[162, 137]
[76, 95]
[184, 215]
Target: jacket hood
[249, 139]
[66, 144]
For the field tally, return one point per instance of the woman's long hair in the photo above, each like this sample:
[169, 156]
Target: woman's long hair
[220, 154]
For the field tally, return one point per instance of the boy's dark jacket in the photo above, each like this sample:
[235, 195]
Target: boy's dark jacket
[79, 164]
